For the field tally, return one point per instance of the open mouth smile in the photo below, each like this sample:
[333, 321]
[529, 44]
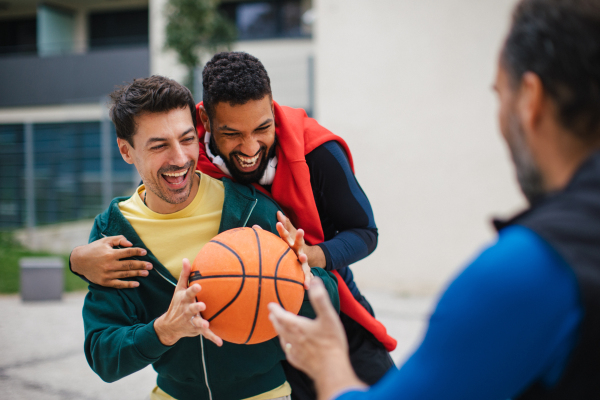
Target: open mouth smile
[248, 163]
[176, 180]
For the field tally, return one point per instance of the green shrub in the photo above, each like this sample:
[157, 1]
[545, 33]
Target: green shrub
[10, 253]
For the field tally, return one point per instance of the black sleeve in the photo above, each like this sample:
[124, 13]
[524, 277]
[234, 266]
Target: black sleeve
[345, 212]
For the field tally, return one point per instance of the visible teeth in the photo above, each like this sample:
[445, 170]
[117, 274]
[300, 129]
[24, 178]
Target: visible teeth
[248, 161]
[176, 173]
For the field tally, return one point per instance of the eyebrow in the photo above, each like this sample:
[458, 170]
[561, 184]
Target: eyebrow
[226, 128]
[156, 139]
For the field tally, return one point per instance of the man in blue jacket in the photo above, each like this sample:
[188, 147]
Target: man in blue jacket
[522, 321]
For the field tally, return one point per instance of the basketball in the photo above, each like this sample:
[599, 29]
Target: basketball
[241, 271]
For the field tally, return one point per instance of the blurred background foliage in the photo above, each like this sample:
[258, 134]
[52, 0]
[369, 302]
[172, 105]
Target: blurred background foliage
[195, 27]
[10, 253]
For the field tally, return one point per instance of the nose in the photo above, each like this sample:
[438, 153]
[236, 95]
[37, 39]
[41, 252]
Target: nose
[249, 146]
[178, 156]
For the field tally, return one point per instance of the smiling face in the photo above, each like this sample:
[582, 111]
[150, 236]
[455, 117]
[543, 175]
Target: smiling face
[244, 136]
[165, 152]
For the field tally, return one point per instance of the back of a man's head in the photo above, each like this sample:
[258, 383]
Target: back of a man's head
[155, 94]
[559, 40]
[234, 78]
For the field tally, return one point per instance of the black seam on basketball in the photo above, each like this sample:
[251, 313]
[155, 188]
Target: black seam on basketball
[259, 286]
[275, 278]
[243, 276]
[194, 276]
[202, 278]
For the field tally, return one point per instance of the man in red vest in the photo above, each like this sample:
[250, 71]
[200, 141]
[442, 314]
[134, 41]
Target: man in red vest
[309, 172]
[306, 169]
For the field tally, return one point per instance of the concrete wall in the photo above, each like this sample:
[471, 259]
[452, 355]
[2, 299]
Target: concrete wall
[408, 85]
[287, 61]
[162, 62]
[58, 238]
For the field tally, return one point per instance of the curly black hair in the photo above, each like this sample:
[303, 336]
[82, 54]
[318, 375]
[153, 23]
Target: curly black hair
[147, 95]
[559, 40]
[234, 78]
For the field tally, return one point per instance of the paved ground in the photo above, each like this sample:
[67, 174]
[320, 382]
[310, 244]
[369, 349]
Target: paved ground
[41, 348]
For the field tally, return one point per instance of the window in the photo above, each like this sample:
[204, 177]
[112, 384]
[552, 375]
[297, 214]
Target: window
[18, 36]
[122, 28]
[68, 175]
[12, 165]
[267, 19]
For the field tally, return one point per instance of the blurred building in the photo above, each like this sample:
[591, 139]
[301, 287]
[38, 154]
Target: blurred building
[58, 61]
[406, 83]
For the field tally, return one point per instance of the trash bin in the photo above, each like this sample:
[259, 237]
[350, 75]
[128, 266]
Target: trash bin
[42, 278]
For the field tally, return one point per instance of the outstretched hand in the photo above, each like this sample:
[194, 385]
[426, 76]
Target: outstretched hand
[103, 264]
[317, 347]
[183, 319]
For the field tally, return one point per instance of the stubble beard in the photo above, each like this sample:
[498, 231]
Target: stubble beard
[528, 174]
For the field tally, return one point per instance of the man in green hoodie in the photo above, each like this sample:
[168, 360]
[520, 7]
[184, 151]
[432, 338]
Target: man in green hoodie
[171, 216]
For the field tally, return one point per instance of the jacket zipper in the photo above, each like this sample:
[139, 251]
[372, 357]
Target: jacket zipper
[201, 337]
[201, 347]
[250, 213]
[204, 367]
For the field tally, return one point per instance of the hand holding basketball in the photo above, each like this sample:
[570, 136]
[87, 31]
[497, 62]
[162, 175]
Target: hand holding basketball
[295, 239]
[183, 319]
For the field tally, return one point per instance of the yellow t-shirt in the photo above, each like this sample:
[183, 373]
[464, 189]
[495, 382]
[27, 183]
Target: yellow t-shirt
[173, 237]
[279, 392]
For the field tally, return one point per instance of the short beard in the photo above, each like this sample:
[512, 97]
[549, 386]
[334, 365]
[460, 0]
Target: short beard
[528, 174]
[170, 197]
[245, 178]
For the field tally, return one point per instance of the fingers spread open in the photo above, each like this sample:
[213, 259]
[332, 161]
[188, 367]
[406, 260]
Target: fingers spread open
[283, 233]
[182, 283]
[299, 241]
[197, 307]
[281, 217]
[192, 291]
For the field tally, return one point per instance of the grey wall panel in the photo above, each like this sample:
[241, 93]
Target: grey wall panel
[32, 80]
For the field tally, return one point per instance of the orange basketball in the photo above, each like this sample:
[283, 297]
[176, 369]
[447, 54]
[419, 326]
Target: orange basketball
[241, 271]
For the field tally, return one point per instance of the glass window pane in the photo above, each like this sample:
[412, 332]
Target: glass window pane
[256, 20]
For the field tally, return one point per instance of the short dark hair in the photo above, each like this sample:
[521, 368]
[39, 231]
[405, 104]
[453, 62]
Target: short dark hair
[147, 95]
[559, 41]
[234, 78]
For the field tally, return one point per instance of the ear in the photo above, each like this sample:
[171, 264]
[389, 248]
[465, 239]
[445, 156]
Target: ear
[530, 104]
[272, 107]
[204, 118]
[126, 150]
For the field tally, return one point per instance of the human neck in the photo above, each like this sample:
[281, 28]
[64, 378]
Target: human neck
[159, 206]
[560, 161]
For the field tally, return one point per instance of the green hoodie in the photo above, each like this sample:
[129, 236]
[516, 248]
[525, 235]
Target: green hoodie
[119, 324]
